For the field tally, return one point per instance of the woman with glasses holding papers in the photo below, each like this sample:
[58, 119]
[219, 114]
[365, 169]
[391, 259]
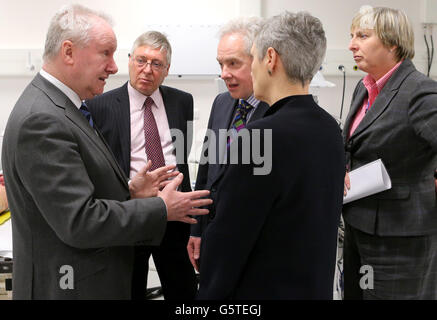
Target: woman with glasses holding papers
[391, 236]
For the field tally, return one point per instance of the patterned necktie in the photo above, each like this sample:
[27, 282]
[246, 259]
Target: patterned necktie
[240, 118]
[87, 114]
[151, 133]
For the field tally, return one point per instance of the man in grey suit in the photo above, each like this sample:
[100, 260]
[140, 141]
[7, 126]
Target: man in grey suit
[233, 55]
[75, 217]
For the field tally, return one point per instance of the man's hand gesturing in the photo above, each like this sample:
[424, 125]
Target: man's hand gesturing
[146, 184]
[180, 205]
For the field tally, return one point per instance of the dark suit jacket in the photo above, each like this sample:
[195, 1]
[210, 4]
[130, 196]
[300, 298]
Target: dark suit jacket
[69, 203]
[111, 113]
[275, 236]
[401, 129]
[209, 174]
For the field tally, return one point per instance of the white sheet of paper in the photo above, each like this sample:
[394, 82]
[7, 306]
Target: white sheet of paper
[367, 180]
[6, 239]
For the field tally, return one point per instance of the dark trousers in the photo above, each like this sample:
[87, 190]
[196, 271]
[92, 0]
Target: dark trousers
[403, 267]
[177, 276]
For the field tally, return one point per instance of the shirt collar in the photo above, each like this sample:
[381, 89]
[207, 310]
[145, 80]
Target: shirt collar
[370, 83]
[138, 96]
[73, 96]
[254, 102]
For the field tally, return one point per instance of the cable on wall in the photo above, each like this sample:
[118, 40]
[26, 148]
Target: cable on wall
[429, 51]
[342, 69]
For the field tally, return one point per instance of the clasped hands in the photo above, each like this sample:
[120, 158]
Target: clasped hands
[180, 205]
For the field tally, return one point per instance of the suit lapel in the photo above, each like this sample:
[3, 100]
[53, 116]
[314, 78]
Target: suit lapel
[122, 121]
[229, 114]
[382, 101]
[171, 109]
[357, 102]
[72, 113]
[225, 123]
[75, 116]
[228, 117]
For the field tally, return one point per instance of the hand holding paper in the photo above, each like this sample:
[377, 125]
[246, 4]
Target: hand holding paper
[367, 180]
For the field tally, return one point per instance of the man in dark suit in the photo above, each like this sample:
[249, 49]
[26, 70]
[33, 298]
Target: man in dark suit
[274, 234]
[233, 55]
[75, 219]
[121, 116]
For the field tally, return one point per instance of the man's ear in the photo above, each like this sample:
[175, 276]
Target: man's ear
[67, 50]
[167, 69]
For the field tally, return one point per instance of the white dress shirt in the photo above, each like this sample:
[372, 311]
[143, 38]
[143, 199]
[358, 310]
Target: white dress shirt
[138, 140]
[73, 96]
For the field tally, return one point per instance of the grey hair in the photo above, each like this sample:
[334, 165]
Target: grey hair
[154, 39]
[248, 27]
[71, 22]
[300, 41]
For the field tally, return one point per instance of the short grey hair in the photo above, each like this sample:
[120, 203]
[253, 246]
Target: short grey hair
[71, 22]
[391, 26]
[247, 27]
[154, 39]
[300, 41]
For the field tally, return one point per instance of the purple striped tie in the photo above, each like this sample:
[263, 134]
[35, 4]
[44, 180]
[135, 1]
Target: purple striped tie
[153, 141]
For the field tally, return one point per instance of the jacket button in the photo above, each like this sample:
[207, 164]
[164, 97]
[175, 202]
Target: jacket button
[211, 215]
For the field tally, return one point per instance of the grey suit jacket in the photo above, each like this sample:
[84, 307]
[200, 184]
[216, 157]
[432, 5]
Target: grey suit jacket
[69, 203]
[222, 113]
[401, 129]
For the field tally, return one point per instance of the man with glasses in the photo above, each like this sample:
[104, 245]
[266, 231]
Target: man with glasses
[136, 120]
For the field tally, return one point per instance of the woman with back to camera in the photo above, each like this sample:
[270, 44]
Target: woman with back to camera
[274, 234]
[393, 117]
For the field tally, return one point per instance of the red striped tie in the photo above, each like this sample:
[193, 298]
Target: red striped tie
[151, 133]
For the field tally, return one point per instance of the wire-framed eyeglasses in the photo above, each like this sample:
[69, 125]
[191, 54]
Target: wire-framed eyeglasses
[142, 62]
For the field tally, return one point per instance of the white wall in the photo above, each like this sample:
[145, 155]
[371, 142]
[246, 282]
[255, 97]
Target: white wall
[23, 25]
[336, 16]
